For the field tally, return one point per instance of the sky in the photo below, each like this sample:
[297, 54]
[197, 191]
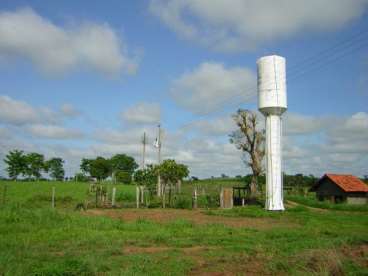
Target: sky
[88, 78]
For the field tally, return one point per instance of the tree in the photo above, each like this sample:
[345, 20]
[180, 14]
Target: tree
[123, 163]
[55, 168]
[251, 142]
[100, 168]
[171, 173]
[81, 177]
[35, 164]
[85, 166]
[123, 177]
[146, 177]
[16, 163]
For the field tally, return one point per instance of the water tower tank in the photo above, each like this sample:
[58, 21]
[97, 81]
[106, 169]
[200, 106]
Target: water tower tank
[272, 85]
[272, 103]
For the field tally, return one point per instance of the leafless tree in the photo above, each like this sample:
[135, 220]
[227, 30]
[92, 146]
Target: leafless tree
[251, 141]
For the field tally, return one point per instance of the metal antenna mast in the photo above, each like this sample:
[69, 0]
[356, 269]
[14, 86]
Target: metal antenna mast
[144, 143]
[158, 145]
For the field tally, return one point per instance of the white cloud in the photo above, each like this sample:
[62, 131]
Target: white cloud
[298, 124]
[340, 146]
[55, 49]
[69, 111]
[350, 135]
[142, 113]
[53, 132]
[216, 127]
[243, 24]
[4, 133]
[211, 85]
[20, 113]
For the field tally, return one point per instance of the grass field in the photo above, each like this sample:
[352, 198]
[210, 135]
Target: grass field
[37, 240]
[313, 202]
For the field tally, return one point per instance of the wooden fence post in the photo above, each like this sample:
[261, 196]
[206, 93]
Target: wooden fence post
[137, 192]
[53, 198]
[96, 202]
[222, 198]
[195, 198]
[142, 193]
[113, 197]
[163, 196]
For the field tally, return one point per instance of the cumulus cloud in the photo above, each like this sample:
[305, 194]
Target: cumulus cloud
[20, 113]
[215, 127]
[299, 124]
[340, 145]
[210, 85]
[4, 133]
[69, 110]
[55, 49]
[142, 113]
[243, 24]
[53, 132]
[350, 135]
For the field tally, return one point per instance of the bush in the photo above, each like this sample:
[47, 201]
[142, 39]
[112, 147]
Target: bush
[182, 202]
[80, 177]
[208, 201]
[123, 177]
[125, 196]
[154, 202]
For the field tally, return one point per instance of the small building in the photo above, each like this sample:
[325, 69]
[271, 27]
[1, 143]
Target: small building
[341, 188]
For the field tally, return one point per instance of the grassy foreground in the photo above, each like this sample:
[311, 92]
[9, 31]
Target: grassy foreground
[35, 240]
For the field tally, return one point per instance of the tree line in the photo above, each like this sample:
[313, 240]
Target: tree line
[119, 167]
[32, 165]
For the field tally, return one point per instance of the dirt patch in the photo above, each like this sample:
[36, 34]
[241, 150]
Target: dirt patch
[194, 216]
[149, 250]
[194, 250]
[330, 261]
[198, 249]
[239, 264]
[294, 204]
[358, 253]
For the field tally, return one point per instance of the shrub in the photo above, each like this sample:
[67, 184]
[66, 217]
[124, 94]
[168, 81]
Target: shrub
[154, 202]
[123, 177]
[182, 202]
[125, 196]
[80, 177]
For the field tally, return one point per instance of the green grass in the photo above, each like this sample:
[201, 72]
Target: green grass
[311, 201]
[36, 240]
[67, 194]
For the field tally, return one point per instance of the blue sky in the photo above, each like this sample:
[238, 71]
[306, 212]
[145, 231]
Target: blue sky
[82, 78]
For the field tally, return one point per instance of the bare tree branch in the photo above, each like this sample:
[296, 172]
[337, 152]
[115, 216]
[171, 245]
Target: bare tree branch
[251, 141]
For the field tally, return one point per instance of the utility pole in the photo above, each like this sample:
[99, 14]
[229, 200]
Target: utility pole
[158, 144]
[144, 142]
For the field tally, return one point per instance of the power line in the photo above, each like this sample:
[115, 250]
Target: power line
[316, 63]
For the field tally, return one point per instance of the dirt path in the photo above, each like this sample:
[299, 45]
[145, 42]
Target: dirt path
[293, 204]
[195, 216]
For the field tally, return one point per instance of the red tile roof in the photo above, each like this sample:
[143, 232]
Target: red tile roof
[349, 183]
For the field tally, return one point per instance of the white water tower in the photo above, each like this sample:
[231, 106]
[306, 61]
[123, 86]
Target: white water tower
[272, 103]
